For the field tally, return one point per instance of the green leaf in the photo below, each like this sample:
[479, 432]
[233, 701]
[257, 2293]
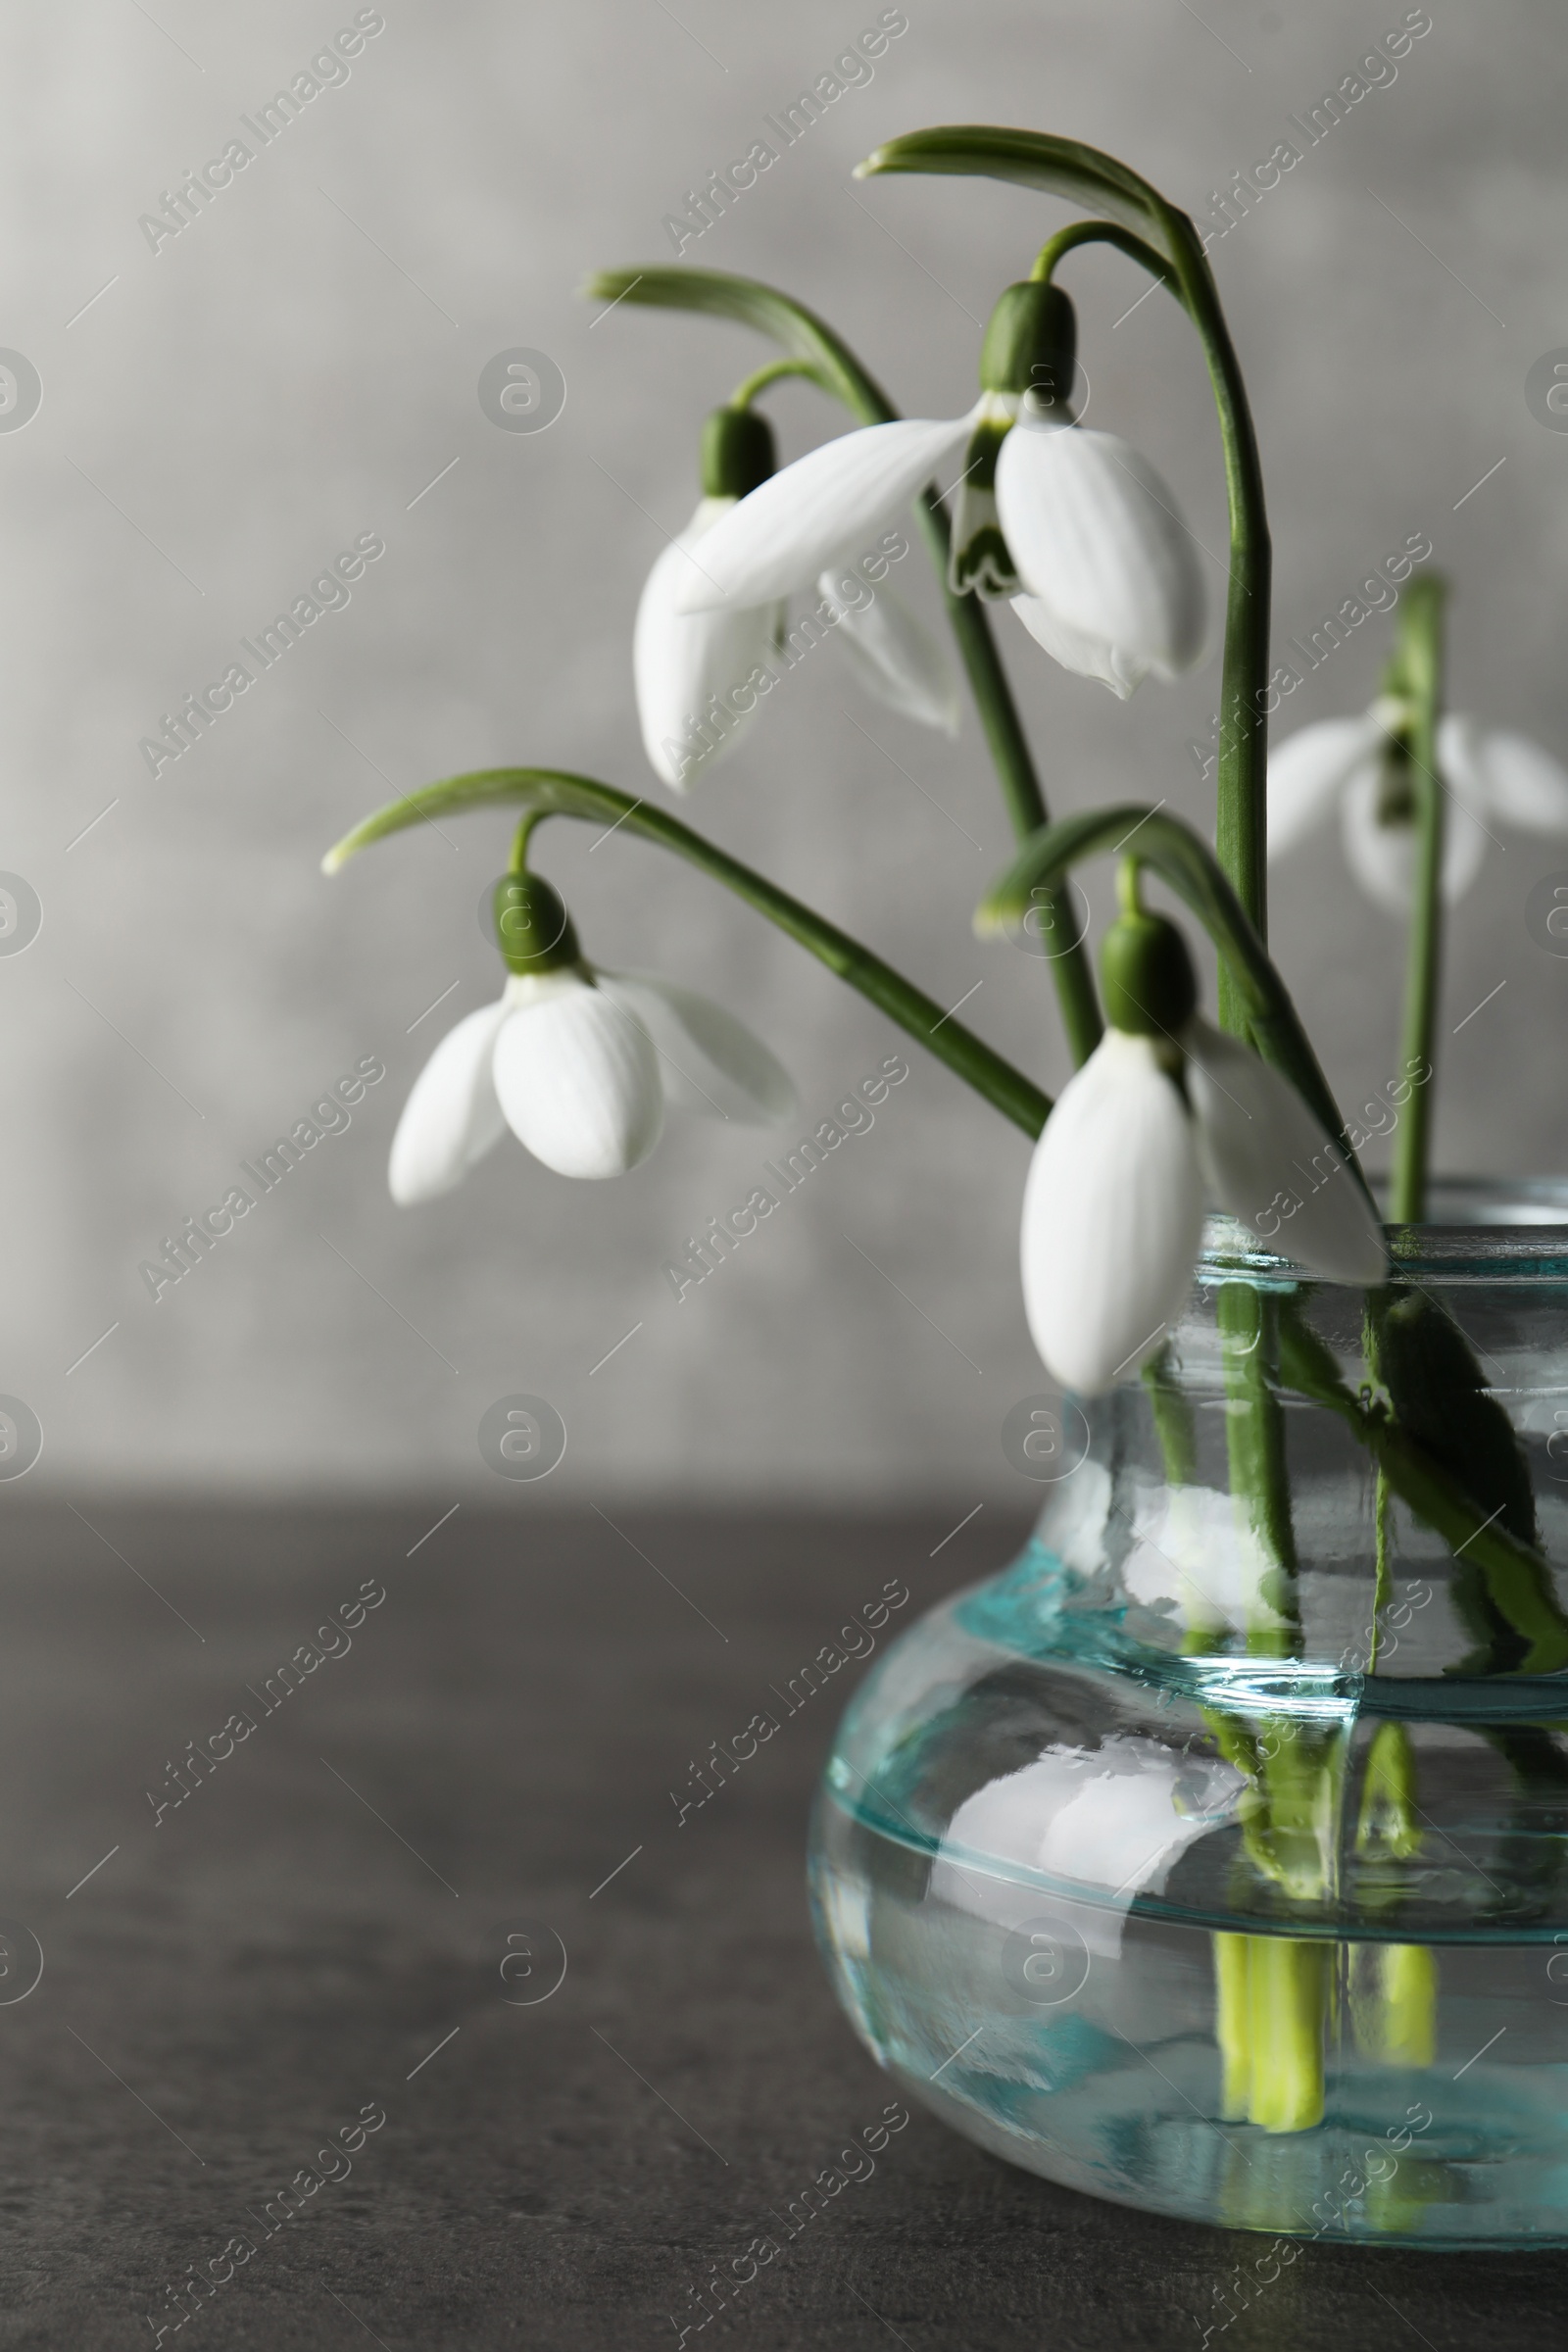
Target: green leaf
[1439, 1393]
[1033, 158]
[552, 792]
[1519, 1583]
[749, 303]
[1184, 859]
[557, 792]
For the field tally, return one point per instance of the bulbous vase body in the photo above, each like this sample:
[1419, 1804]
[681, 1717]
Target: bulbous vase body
[1213, 1858]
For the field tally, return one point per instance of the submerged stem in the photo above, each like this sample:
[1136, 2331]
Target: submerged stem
[1288, 2001]
[1419, 671]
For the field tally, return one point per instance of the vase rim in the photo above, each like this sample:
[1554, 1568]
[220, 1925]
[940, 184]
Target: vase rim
[1482, 1229]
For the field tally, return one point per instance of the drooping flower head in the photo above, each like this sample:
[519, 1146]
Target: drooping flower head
[1168, 1113]
[579, 1063]
[702, 671]
[682, 660]
[1075, 526]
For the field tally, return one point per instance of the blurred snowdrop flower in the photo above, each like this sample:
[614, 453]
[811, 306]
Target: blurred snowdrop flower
[579, 1063]
[701, 670]
[1165, 1112]
[1360, 767]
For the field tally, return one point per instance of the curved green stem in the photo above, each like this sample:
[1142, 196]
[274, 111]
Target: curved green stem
[1103, 232]
[1417, 674]
[825, 360]
[518, 864]
[1184, 859]
[1241, 815]
[774, 372]
[555, 791]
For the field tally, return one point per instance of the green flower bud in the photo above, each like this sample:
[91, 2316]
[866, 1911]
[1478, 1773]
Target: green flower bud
[737, 451]
[1147, 977]
[533, 930]
[1031, 344]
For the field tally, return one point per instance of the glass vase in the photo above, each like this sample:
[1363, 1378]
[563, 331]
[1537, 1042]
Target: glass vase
[1213, 1858]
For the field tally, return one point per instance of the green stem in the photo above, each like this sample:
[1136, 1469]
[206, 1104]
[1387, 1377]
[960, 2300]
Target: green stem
[1254, 1443]
[774, 372]
[1241, 818]
[1393, 1986]
[1382, 1586]
[555, 791]
[1103, 233]
[1013, 763]
[518, 861]
[1418, 665]
[1288, 1980]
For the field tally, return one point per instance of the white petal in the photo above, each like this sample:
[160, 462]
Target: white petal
[1257, 1140]
[679, 659]
[1096, 535]
[1511, 776]
[1089, 657]
[1382, 857]
[895, 658]
[451, 1117]
[707, 1061]
[827, 506]
[579, 1082]
[1112, 1214]
[1309, 772]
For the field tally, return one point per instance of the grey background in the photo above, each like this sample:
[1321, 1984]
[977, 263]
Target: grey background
[287, 373]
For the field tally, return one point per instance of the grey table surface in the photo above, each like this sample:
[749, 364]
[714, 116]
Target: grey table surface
[313, 1939]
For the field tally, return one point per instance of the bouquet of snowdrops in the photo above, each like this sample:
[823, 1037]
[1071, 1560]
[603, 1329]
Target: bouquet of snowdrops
[1020, 505]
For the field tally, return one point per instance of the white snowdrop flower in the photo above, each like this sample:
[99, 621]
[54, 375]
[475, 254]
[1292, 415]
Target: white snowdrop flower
[1075, 525]
[1358, 768]
[1165, 1112]
[818, 513]
[702, 669]
[579, 1063]
[1108, 569]
[681, 660]
[1112, 1216]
